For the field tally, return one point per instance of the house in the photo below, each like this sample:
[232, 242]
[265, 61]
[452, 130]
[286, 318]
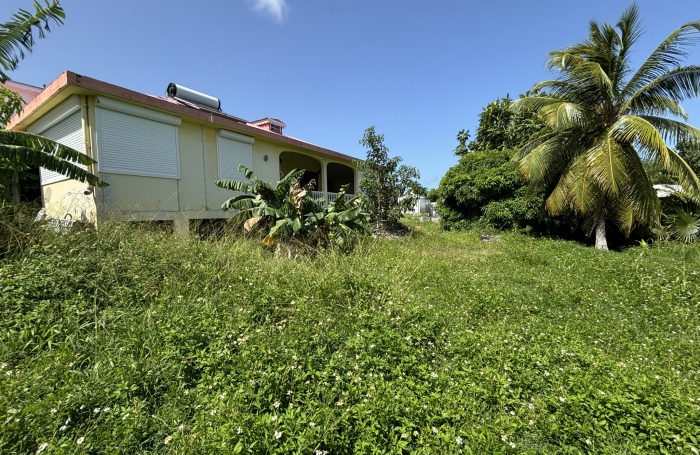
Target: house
[161, 155]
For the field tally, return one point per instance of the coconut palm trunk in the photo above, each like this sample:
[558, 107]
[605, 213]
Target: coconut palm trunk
[601, 240]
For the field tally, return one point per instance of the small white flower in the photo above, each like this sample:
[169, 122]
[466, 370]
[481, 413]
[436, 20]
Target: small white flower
[80, 440]
[289, 392]
[512, 445]
[42, 447]
[239, 430]
[339, 403]
[96, 410]
[167, 440]
[435, 430]
[276, 404]
[459, 441]
[54, 411]
[531, 422]
[562, 399]
[63, 428]
[588, 441]
[312, 424]
[181, 427]
[504, 438]
[433, 375]
[107, 409]
[278, 434]
[546, 373]
[213, 412]
[125, 416]
[273, 418]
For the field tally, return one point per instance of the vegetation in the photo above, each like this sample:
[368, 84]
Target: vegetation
[20, 151]
[17, 35]
[606, 121]
[288, 212]
[388, 190]
[126, 341]
[485, 187]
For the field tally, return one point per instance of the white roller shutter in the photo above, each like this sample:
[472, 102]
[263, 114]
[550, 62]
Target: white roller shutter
[233, 149]
[135, 145]
[68, 132]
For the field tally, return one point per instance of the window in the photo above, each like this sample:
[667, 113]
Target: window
[232, 150]
[136, 141]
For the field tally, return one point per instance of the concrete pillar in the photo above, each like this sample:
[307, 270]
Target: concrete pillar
[181, 226]
[325, 176]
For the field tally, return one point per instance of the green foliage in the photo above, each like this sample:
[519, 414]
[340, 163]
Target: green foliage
[606, 120]
[20, 151]
[386, 187]
[17, 35]
[124, 341]
[485, 188]
[288, 212]
[10, 104]
[502, 128]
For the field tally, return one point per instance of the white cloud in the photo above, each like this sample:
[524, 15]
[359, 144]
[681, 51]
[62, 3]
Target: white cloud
[275, 8]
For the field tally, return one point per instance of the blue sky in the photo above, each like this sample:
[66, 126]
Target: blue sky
[418, 71]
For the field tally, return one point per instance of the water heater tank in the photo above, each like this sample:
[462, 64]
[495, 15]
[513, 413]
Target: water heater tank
[193, 96]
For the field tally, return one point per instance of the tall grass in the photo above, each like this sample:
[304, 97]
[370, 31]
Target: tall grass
[128, 340]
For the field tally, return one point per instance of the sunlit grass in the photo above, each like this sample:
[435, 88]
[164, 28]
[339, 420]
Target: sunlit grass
[132, 341]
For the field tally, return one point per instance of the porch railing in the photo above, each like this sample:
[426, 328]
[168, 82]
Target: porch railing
[330, 197]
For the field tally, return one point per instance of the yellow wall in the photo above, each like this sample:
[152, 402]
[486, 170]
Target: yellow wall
[66, 199]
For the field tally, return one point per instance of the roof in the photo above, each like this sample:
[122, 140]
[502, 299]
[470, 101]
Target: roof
[26, 91]
[69, 83]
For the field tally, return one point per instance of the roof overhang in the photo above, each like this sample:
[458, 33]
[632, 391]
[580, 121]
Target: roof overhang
[70, 83]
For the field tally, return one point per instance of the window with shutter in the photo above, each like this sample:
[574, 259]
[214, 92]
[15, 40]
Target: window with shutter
[136, 141]
[233, 149]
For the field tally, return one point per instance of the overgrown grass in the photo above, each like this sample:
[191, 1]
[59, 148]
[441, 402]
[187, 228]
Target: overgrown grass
[129, 341]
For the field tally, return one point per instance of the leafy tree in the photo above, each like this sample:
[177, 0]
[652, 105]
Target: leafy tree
[385, 186]
[10, 104]
[288, 212]
[485, 187]
[17, 35]
[20, 151]
[500, 127]
[606, 120]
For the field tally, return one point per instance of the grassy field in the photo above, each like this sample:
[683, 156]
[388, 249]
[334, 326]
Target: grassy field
[127, 341]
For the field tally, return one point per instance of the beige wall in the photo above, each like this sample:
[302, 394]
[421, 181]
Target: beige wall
[67, 199]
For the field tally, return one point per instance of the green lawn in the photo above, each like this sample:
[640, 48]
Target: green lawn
[126, 341]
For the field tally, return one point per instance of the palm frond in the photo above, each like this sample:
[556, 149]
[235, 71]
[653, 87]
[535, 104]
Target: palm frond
[21, 157]
[630, 129]
[669, 54]
[44, 145]
[674, 131]
[679, 84]
[16, 36]
[648, 104]
[605, 166]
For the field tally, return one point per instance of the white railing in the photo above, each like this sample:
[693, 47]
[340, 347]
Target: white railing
[330, 197]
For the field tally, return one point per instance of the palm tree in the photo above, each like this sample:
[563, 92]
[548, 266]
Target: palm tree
[19, 150]
[606, 121]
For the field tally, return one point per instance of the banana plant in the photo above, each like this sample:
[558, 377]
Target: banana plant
[289, 211]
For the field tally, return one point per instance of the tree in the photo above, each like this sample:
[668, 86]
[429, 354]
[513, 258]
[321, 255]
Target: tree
[385, 186]
[20, 151]
[485, 187]
[17, 35]
[606, 120]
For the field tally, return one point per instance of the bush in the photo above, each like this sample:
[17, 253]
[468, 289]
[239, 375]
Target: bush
[486, 188]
